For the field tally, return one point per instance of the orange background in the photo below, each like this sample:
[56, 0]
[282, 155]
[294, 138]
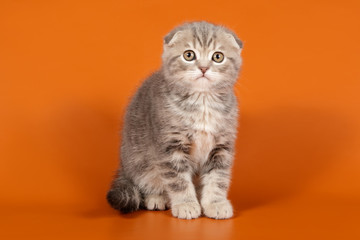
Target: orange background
[68, 68]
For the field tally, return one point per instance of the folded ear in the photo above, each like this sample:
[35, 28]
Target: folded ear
[235, 40]
[172, 37]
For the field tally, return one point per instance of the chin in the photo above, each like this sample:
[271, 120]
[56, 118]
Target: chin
[201, 84]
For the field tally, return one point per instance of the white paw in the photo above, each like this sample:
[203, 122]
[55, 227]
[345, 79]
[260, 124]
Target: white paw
[218, 210]
[186, 210]
[155, 202]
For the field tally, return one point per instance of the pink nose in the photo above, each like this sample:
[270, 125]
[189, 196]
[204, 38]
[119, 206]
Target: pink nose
[203, 69]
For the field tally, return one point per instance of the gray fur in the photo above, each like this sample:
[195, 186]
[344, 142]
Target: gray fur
[171, 118]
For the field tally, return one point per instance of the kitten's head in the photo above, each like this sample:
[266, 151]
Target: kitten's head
[201, 57]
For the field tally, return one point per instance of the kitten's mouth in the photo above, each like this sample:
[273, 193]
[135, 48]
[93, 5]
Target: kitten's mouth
[202, 77]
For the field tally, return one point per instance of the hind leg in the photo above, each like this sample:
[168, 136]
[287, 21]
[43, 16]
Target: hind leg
[156, 201]
[152, 190]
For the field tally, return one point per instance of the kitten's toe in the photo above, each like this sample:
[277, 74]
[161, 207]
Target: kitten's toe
[155, 202]
[218, 210]
[186, 210]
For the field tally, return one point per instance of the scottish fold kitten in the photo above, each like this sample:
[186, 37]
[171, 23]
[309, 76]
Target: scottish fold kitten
[181, 126]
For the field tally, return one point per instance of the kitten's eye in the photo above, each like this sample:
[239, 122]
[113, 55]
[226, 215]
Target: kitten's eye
[189, 55]
[218, 57]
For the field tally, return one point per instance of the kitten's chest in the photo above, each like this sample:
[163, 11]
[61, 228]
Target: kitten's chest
[204, 122]
[201, 115]
[202, 144]
[205, 118]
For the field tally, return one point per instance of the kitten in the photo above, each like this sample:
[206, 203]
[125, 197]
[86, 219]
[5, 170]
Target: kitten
[181, 124]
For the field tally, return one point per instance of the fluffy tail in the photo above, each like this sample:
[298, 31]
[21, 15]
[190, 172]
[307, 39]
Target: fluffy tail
[124, 195]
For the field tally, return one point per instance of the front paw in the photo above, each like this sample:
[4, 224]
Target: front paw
[186, 210]
[218, 210]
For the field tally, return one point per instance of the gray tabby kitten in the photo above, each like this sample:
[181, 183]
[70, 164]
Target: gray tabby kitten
[180, 128]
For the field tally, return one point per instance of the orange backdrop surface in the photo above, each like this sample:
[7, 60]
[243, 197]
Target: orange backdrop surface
[68, 69]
